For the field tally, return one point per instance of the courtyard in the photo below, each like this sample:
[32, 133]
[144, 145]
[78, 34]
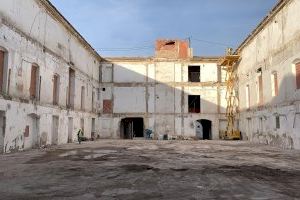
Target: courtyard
[148, 169]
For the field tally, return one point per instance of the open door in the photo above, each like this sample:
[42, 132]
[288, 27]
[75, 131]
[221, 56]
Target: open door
[132, 128]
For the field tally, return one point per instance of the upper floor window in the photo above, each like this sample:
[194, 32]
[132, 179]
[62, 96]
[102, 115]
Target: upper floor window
[298, 75]
[194, 73]
[82, 98]
[3, 70]
[247, 96]
[194, 103]
[274, 82]
[259, 87]
[56, 89]
[34, 82]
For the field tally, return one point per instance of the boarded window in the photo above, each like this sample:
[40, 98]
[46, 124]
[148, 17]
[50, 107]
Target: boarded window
[298, 75]
[194, 74]
[248, 96]
[26, 132]
[55, 89]
[260, 90]
[33, 90]
[107, 106]
[194, 104]
[274, 81]
[93, 132]
[71, 95]
[93, 100]
[82, 97]
[2, 53]
[277, 122]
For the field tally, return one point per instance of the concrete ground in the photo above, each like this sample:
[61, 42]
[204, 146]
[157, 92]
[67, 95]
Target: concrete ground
[139, 169]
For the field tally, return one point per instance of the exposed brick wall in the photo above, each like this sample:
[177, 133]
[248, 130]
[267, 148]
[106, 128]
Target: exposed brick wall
[172, 49]
[107, 106]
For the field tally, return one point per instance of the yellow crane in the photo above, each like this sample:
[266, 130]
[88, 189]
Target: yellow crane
[228, 63]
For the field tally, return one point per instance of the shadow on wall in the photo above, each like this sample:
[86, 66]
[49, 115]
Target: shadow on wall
[277, 120]
[158, 96]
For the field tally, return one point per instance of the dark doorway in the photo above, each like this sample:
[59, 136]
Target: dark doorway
[204, 131]
[132, 127]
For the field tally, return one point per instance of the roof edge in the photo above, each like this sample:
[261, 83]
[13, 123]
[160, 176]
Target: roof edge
[58, 16]
[278, 7]
[151, 58]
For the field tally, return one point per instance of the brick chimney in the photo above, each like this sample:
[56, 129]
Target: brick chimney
[172, 49]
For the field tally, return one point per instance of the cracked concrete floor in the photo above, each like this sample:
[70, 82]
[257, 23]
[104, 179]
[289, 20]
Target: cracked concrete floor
[139, 169]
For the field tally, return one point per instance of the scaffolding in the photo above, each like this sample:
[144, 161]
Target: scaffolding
[228, 64]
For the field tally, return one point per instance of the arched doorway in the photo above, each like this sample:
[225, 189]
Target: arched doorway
[203, 129]
[132, 128]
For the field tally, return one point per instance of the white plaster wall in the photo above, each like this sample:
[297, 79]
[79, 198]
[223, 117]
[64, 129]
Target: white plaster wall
[275, 48]
[166, 112]
[31, 36]
[130, 73]
[164, 99]
[129, 100]
[164, 72]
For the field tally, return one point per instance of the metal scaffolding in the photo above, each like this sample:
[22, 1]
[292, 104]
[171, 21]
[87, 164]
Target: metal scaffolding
[228, 63]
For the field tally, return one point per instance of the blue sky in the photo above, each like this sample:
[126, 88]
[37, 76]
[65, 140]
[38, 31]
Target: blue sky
[130, 27]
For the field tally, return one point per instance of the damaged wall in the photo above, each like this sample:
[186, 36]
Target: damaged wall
[272, 53]
[157, 90]
[32, 33]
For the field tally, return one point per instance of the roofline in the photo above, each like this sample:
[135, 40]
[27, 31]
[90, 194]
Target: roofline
[149, 59]
[278, 7]
[58, 16]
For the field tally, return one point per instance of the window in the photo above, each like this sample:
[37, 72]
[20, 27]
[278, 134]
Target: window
[34, 82]
[194, 104]
[260, 90]
[82, 97]
[55, 89]
[3, 70]
[194, 73]
[274, 82]
[298, 75]
[277, 119]
[248, 96]
[93, 132]
[107, 106]
[71, 93]
[93, 97]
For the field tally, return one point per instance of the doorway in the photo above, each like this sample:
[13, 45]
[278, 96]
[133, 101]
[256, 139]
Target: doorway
[70, 130]
[132, 128]
[203, 129]
[34, 132]
[54, 130]
[2, 130]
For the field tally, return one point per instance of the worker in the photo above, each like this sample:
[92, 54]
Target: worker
[79, 135]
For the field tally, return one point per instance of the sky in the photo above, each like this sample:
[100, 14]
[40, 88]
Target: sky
[130, 27]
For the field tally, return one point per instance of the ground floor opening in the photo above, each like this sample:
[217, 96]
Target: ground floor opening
[2, 130]
[203, 129]
[132, 128]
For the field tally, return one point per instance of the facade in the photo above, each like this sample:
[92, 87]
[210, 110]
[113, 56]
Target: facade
[49, 77]
[269, 79]
[172, 93]
[52, 82]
